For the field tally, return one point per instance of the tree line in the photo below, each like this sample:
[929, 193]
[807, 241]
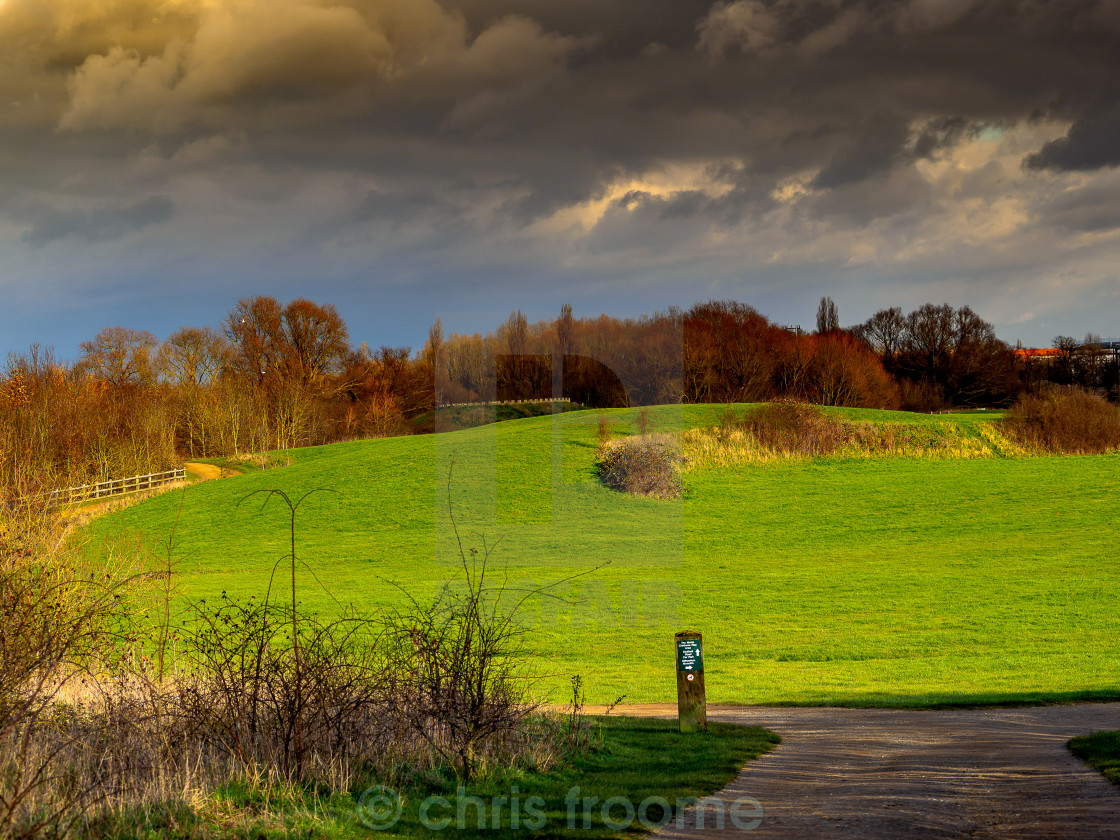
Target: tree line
[274, 376]
[943, 357]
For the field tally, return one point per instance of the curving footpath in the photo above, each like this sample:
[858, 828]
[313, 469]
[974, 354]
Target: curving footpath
[874, 774]
[206, 472]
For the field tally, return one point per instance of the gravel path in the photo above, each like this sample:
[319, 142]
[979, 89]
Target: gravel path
[877, 773]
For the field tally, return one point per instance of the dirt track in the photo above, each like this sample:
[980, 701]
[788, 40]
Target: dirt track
[206, 471]
[876, 773]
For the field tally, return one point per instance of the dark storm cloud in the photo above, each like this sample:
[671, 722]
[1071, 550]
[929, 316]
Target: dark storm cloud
[1093, 142]
[397, 206]
[941, 134]
[534, 132]
[559, 95]
[100, 225]
[625, 26]
[871, 149]
[1090, 210]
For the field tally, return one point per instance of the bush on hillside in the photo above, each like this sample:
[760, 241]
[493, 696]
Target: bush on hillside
[1068, 421]
[649, 465]
[792, 427]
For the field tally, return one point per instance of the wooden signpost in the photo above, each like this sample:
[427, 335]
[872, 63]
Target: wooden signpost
[691, 706]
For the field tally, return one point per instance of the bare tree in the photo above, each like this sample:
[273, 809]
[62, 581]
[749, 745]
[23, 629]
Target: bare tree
[565, 326]
[434, 355]
[292, 354]
[433, 347]
[256, 328]
[1066, 345]
[317, 340]
[884, 331]
[515, 332]
[119, 356]
[929, 335]
[1090, 360]
[193, 356]
[953, 355]
[827, 318]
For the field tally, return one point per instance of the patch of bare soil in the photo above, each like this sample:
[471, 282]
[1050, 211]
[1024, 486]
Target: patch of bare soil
[208, 471]
[873, 774]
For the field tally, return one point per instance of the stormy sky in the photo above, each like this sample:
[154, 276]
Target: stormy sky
[407, 159]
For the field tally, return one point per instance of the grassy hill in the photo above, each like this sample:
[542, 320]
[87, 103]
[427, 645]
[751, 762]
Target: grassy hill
[885, 581]
[454, 418]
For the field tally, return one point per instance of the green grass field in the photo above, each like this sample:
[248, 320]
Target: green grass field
[890, 581]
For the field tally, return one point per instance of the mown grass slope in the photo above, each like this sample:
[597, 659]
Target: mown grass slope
[891, 581]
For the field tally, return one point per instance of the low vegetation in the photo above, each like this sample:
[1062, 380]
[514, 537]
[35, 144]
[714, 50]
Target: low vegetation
[1101, 751]
[1065, 421]
[635, 761]
[646, 465]
[788, 430]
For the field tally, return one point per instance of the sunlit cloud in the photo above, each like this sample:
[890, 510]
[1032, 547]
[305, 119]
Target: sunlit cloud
[712, 179]
[474, 149]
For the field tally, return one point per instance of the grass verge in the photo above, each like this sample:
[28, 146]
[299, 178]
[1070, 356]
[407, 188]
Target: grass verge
[1101, 751]
[635, 761]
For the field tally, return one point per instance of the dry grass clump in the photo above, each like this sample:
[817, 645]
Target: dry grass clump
[793, 431]
[649, 465]
[793, 428]
[1065, 421]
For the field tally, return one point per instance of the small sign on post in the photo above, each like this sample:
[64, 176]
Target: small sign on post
[692, 708]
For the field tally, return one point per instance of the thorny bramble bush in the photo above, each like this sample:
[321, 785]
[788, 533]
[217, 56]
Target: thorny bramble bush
[648, 465]
[244, 698]
[55, 618]
[459, 670]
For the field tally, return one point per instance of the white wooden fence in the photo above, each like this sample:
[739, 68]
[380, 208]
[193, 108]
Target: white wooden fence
[115, 487]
